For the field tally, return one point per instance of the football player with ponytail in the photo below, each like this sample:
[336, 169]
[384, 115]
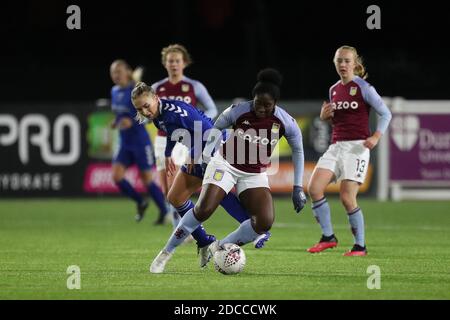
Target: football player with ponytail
[241, 162]
[347, 158]
[135, 146]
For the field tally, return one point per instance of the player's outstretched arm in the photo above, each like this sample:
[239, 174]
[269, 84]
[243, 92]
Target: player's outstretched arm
[295, 139]
[384, 116]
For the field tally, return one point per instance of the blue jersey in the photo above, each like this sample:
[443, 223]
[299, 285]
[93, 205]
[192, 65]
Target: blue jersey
[136, 135]
[175, 115]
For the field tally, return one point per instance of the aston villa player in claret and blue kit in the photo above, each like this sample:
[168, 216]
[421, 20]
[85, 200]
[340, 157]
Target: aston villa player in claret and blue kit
[258, 125]
[347, 158]
[183, 122]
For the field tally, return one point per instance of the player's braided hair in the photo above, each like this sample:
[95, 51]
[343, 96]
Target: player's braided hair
[269, 82]
[360, 69]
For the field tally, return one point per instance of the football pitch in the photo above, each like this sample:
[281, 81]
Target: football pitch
[39, 239]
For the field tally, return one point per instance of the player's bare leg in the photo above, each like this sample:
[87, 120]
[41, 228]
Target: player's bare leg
[348, 192]
[259, 204]
[210, 198]
[166, 184]
[183, 187]
[320, 179]
[163, 181]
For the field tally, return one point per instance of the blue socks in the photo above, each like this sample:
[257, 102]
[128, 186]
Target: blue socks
[242, 235]
[127, 189]
[187, 224]
[321, 211]
[356, 220]
[155, 192]
[234, 207]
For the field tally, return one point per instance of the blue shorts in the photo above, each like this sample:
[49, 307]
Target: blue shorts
[196, 171]
[143, 157]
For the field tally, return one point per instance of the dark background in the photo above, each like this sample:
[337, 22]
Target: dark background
[230, 40]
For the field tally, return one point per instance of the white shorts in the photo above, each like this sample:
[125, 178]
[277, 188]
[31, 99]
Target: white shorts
[225, 176]
[180, 153]
[349, 160]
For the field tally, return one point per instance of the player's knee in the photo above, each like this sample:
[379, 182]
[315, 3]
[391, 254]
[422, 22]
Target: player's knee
[147, 179]
[263, 227]
[264, 223]
[117, 177]
[174, 200]
[315, 192]
[203, 211]
[348, 201]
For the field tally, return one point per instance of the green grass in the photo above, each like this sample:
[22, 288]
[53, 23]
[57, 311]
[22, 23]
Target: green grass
[39, 239]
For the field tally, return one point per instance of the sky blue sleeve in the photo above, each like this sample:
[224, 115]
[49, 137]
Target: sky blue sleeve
[298, 157]
[225, 120]
[205, 99]
[372, 97]
[294, 137]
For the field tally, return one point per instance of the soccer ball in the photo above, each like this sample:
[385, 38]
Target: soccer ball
[230, 259]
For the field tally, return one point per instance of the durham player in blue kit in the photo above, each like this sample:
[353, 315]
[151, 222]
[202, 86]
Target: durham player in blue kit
[242, 161]
[347, 158]
[171, 116]
[134, 145]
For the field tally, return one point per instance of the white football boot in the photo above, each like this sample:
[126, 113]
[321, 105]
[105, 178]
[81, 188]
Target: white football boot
[159, 263]
[207, 252]
[204, 256]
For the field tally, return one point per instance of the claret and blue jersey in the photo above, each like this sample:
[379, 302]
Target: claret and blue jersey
[351, 103]
[261, 135]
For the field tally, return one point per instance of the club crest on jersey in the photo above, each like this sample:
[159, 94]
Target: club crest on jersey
[275, 128]
[185, 87]
[353, 91]
[162, 89]
[218, 175]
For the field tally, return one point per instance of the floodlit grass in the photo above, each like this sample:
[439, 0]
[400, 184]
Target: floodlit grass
[39, 239]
